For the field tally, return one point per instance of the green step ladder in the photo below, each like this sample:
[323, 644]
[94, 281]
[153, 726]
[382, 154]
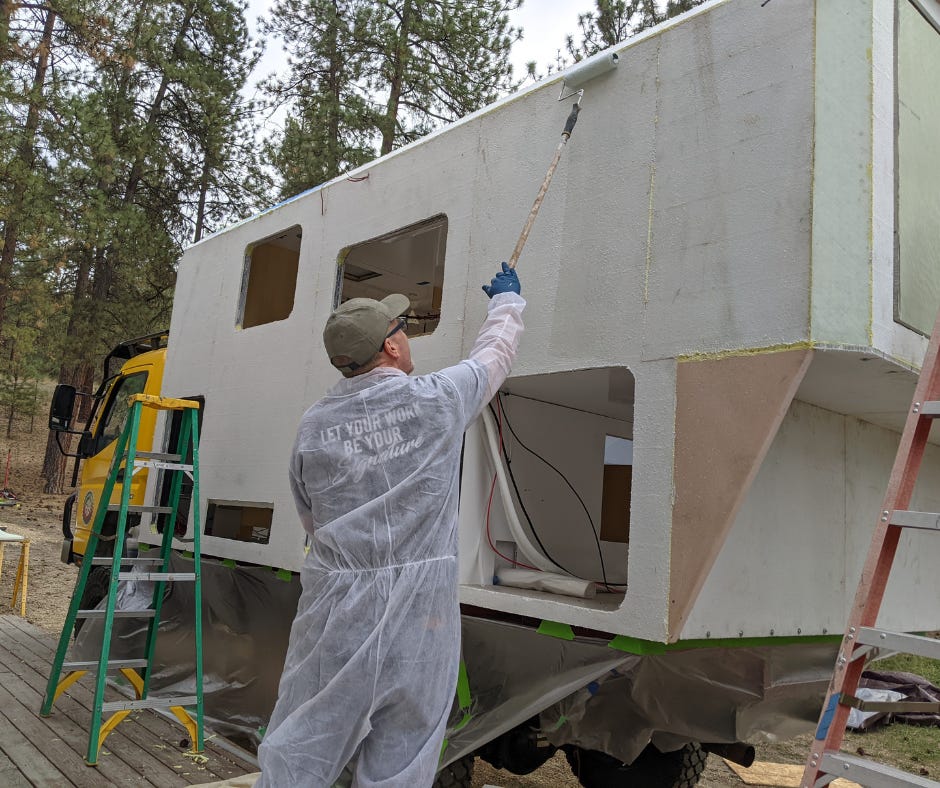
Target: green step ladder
[136, 671]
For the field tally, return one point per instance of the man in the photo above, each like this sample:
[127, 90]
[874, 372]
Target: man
[371, 667]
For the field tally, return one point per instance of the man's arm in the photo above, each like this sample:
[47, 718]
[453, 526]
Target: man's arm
[496, 344]
[498, 339]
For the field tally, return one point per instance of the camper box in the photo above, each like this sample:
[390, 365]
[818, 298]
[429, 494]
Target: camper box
[729, 288]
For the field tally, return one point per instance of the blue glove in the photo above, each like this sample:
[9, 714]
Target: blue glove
[506, 281]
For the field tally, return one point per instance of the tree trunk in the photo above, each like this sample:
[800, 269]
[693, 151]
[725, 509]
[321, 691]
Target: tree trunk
[27, 160]
[396, 83]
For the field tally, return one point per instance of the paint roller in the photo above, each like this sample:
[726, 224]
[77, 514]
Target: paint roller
[572, 85]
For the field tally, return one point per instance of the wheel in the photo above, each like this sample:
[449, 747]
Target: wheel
[521, 750]
[458, 774]
[96, 589]
[652, 769]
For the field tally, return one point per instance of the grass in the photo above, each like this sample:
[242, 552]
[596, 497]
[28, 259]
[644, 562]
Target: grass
[912, 748]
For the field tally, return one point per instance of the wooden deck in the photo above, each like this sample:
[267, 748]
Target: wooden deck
[145, 749]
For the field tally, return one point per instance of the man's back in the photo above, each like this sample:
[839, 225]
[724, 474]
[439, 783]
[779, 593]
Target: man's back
[374, 465]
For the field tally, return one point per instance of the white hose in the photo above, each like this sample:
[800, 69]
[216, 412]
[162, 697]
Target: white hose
[530, 552]
[551, 582]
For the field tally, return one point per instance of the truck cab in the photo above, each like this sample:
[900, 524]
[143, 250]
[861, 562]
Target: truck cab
[132, 367]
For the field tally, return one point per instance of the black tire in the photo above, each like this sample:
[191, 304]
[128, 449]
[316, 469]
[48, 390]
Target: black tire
[458, 774]
[652, 769]
[96, 589]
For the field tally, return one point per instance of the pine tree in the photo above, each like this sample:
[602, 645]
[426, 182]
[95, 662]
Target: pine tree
[153, 153]
[364, 75]
[613, 21]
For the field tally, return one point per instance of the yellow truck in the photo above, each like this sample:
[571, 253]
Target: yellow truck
[132, 367]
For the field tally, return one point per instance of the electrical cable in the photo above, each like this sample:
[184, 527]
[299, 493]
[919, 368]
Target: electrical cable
[498, 413]
[597, 540]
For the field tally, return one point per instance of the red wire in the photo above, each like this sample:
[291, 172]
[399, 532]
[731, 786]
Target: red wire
[489, 504]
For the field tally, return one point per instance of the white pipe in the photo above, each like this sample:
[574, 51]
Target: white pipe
[530, 552]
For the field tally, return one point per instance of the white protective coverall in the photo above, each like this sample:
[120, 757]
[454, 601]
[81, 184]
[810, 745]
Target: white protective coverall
[371, 667]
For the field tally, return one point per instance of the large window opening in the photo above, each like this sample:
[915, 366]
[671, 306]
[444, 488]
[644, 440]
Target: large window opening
[917, 279]
[269, 280]
[408, 261]
[568, 458]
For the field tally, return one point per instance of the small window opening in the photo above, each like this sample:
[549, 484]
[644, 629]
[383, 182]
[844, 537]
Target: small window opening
[270, 279]
[241, 522]
[618, 477]
[408, 261]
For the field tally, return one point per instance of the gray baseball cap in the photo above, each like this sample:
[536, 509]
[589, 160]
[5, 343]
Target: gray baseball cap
[356, 330]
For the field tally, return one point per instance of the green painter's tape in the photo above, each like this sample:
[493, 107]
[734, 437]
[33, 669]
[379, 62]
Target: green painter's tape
[283, 574]
[229, 563]
[555, 630]
[463, 687]
[188, 554]
[643, 647]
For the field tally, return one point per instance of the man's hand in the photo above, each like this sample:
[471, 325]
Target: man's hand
[506, 281]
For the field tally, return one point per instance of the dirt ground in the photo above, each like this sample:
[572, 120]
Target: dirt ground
[38, 517]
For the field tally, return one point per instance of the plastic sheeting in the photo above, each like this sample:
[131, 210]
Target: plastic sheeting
[583, 691]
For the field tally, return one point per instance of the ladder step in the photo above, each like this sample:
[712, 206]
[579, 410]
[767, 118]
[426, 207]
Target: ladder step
[892, 706]
[929, 521]
[162, 465]
[96, 614]
[149, 703]
[869, 773]
[156, 455]
[109, 561]
[116, 507]
[899, 641]
[113, 664]
[930, 409]
[161, 576]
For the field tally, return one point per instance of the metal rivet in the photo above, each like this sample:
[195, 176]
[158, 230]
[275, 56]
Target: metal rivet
[771, 632]
[852, 630]
[799, 630]
[708, 634]
[825, 631]
[883, 636]
[916, 407]
[740, 633]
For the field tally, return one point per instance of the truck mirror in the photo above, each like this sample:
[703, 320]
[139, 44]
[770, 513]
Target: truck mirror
[60, 412]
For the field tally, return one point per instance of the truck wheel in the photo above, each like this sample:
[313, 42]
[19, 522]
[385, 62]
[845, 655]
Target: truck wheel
[652, 769]
[458, 774]
[96, 589]
[521, 750]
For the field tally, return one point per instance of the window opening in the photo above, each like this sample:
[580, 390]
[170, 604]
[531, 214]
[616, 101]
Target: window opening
[615, 497]
[408, 261]
[269, 281]
[240, 522]
[116, 411]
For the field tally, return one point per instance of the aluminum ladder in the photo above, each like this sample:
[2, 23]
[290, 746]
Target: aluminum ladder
[156, 570]
[826, 762]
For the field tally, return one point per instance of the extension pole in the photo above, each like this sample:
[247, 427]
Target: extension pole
[524, 235]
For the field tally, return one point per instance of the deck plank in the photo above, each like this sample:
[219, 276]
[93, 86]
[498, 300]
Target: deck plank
[10, 776]
[222, 764]
[28, 759]
[54, 748]
[143, 750]
[121, 744]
